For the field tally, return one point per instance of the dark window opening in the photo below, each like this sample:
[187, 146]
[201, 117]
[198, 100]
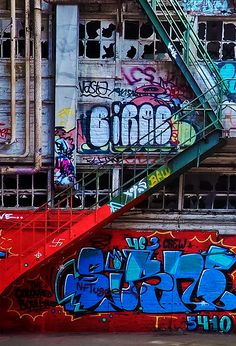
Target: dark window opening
[228, 51]
[39, 200]
[93, 49]
[160, 47]
[44, 47]
[167, 27]
[202, 31]
[109, 51]
[213, 49]
[25, 200]
[25, 182]
[9, 200]
[10, 182]
[148, 51]
[81, 31]
[92, 29]
[146, 30]
[131, 30]
[81, 48]
[229, 32]
[107, 32]
[131, 52]
[214, 31]
[40, 181]
[222, 183]
[6, 46]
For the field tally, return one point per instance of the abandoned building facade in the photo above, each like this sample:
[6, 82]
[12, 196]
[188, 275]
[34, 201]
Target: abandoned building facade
[117, 158]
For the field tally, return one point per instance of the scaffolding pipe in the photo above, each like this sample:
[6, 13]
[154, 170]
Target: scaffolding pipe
[27, 87]
[13, 72]
[37, 94]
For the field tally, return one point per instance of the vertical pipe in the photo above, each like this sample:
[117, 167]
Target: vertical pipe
[37, 83]
[27, 76]
[13, 72]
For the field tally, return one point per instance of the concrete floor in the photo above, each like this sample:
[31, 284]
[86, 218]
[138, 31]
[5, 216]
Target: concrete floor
[115, 339]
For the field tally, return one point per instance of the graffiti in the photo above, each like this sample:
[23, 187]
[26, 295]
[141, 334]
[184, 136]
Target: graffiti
[172, 50]
[160, 174]
[64, 160]
[137, 189]
[223, 324]
[142, 277]
[5, 133]
[94, 88]
[32, 297]
[98, 159]
[207, 7]
[64, 116]
[228, 70]
[170, 243]
[3, 254]
[6, 216]
[139, 74]
[145, 120]
[123, 93]
[57, 242]
[130, 123]
[169, 86]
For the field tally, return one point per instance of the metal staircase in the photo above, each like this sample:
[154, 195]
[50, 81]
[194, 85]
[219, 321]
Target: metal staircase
[53, 230]
[185, 49]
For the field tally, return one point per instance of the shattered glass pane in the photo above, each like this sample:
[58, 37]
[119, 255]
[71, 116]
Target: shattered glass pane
[93, 49]
[228, 51]
[229, 32]
[213, 49]
[131, 52]
[81, 31]
[202, 30]
[148, 51]
[108, 48]
[214, 31]
[146, 30]
[108, 30]
[92, 28]
[131, 30]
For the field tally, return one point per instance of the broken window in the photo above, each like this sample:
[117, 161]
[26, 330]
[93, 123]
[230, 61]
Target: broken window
[141, 41]
[219, 38]
[5, 38]
[97, 39]
[209, 191]
[23, 190]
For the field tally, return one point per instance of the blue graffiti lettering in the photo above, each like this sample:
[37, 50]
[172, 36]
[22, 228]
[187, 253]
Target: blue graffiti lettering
[134, 279]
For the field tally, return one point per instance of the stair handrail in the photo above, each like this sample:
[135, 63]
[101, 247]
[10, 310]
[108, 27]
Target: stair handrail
[45, 206]
[185, 21]
[79, 216]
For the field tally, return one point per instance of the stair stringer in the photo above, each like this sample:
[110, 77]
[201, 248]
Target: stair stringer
[191, 74]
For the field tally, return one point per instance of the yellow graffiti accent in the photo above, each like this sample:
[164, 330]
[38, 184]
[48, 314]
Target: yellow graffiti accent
[163, 317]
[159, 175]
[161, 233]
[65, 118]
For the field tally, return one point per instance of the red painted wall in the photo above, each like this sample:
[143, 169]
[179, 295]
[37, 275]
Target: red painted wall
[129, 280]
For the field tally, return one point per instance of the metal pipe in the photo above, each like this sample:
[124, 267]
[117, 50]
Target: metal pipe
[37, 85]
[13, 72]
[27, 86]
[37, 94]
